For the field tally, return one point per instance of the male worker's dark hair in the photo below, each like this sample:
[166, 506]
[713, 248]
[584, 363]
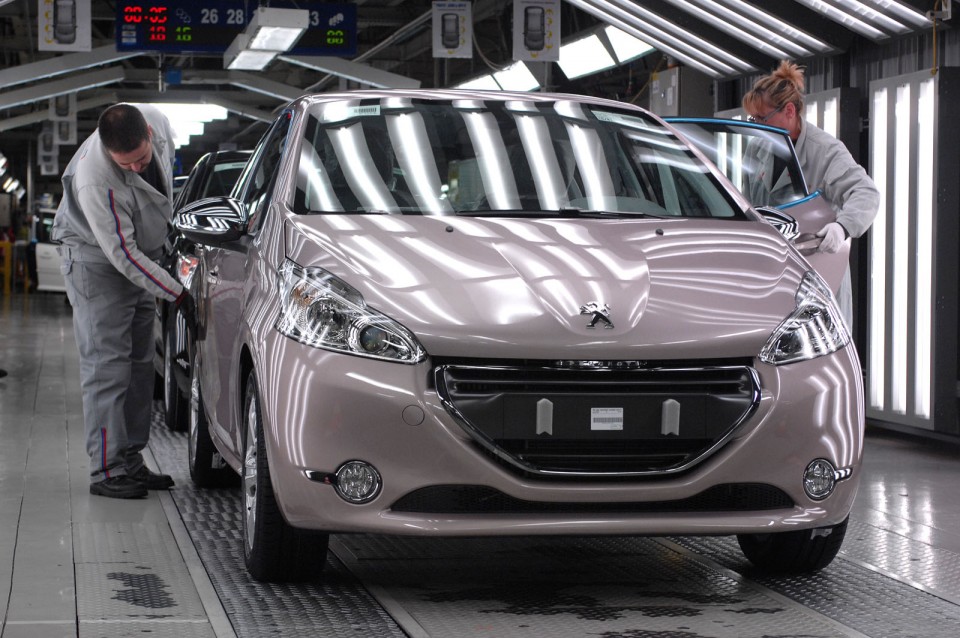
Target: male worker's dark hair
[122, 128]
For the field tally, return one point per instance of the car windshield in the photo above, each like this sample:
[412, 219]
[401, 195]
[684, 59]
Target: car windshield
[498, 158]
[758, 159]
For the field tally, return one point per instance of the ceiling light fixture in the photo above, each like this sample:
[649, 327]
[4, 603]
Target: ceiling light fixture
[270, 32]
[187, 120]
[625, 46]
[584, 56]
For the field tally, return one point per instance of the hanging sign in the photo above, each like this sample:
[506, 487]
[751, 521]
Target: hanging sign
[452, 30]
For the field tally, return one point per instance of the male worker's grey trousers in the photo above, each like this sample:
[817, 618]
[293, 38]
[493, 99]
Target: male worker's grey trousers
[113, 322]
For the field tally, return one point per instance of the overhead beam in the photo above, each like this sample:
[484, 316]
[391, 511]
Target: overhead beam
[52, 67]
[362, 73]
[276, 90]
[43, 115]
[238, 108]
[46, 90]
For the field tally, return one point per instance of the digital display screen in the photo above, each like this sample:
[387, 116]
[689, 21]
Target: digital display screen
[209, 26]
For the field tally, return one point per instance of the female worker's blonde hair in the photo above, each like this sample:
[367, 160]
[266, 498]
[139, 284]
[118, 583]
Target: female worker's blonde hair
[783, 86]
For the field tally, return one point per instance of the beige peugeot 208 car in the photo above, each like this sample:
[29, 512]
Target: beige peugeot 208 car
[472, 313]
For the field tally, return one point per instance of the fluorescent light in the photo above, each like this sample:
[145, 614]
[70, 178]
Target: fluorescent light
[845, 18]
[811, 111]
[188, 119]
[516, 77]
[831, 117]
[923, 317]
[756, 27]
[584, 56]
[238, 57]
[269, 33]
[901, 248]
[625, 46]
[276, 29]
[877, 370]
[484, 82]
[878, 15]
[904, 12]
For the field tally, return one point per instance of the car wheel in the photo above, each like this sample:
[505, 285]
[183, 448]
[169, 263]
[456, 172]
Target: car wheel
[176, 406]
[207, 467]
[800, 551]
[273, 550]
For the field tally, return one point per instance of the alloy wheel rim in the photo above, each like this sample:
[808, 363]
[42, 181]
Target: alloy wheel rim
[167, 373]
[194, 417]
[250, 473]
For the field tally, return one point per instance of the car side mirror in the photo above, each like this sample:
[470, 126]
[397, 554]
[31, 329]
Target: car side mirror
[212, 221]
[784, 223]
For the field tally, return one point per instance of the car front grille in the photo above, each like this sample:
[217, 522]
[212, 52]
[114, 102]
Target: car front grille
[602, 419]
[478, 499]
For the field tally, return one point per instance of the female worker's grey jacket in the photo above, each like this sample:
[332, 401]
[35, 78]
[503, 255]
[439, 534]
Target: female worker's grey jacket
[828, 167]
[108, 214]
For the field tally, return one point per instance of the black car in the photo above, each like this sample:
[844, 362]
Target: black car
[213, 175]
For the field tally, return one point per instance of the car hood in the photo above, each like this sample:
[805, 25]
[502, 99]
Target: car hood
[527, 288]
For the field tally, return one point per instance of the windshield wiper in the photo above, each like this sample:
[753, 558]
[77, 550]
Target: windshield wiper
[563, 212]
[588, 212]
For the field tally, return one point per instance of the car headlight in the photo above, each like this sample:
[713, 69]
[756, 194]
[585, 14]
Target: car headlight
[814, 329]
[320, 310]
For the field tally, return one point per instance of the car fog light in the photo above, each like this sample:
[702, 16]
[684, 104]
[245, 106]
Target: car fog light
[819, 479]
[357, 482]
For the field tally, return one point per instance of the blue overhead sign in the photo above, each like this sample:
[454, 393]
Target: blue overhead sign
[209, 26]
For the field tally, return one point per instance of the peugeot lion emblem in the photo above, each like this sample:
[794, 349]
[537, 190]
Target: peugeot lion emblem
[600, 312]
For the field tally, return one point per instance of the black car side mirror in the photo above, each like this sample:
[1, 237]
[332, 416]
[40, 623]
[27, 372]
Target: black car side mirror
[213, 221]
[784, 223]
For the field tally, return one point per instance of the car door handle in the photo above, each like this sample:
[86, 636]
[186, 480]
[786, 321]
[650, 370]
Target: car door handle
[213, 276]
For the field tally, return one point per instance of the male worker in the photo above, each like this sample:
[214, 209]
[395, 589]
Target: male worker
[111, 225]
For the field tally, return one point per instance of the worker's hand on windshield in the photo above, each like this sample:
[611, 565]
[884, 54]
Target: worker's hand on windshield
[833, 237]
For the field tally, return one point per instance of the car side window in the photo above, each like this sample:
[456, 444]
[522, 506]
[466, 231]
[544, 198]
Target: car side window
[260, 175]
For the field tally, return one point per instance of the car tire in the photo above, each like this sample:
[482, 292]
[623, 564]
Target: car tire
[176, 406]
[801, 551]
[207, 468]
[273, 550]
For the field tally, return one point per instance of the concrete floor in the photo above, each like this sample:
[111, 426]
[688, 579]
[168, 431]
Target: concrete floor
[170, 565]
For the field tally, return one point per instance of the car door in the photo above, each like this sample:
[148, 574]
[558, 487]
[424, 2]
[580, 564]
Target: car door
[760, 161]
[226, 269]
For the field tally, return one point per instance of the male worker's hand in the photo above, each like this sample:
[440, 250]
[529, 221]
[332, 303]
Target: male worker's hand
[188, 308]
[833, 237]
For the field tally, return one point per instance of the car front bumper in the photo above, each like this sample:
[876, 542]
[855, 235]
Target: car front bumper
[331, 408]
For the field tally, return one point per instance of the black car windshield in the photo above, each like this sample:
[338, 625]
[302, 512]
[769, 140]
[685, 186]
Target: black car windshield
[498, 157]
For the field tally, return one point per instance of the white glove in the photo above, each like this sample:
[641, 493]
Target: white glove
[833, 237]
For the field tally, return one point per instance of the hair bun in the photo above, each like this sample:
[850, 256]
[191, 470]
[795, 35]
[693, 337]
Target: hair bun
[790, 72]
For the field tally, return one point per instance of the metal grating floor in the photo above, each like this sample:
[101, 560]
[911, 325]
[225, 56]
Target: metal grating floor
[337, 606]
[883, 584]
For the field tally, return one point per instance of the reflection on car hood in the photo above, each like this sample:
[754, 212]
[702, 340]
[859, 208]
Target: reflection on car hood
[515, 288]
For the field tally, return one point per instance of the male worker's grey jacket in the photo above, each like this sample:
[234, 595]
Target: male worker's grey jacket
[108, 214]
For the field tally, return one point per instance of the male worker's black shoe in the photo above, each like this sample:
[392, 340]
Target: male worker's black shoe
[151, 480]
[119, 487]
